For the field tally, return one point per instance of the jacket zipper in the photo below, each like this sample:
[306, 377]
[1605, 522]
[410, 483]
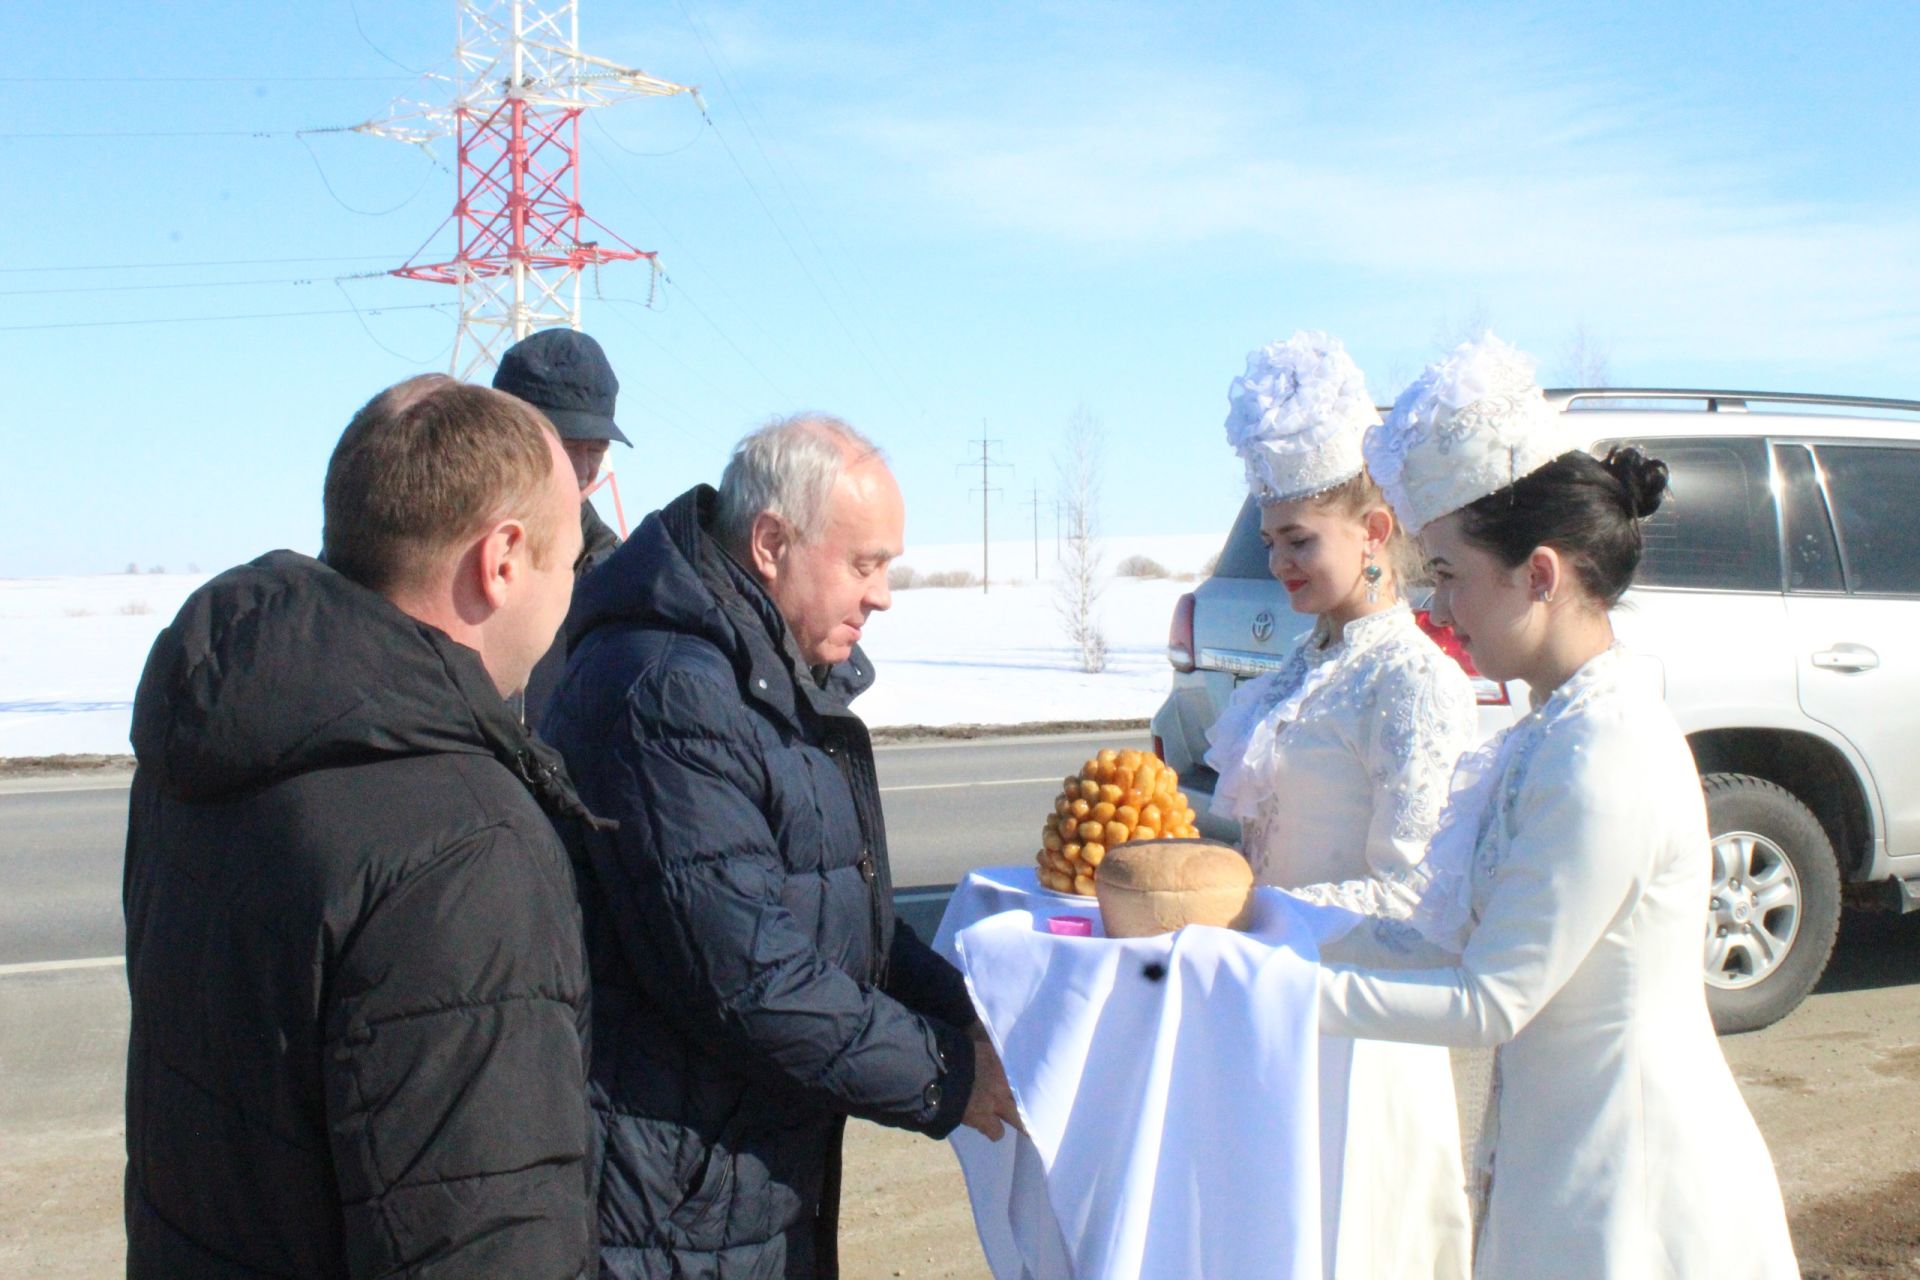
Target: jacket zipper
[859, 780]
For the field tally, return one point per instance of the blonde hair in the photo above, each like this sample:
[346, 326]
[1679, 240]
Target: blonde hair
[1401, 555]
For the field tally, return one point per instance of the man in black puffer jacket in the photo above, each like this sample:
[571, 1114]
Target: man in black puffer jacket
[751, 987]
[353, 945]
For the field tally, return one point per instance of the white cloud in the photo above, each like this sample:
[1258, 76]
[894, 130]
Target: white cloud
[1553, 197]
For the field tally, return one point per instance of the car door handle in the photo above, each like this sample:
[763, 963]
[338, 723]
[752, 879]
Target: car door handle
[1846, 657]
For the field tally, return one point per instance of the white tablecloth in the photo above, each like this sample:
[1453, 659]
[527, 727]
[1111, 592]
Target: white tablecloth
[1168, 1085]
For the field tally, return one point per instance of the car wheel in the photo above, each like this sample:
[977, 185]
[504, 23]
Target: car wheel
[1775, 903]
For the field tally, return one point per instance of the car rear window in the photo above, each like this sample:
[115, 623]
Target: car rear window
[1716, 531]
[1872, 490]
[1243, 556]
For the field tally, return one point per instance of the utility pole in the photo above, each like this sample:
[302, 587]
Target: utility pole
[986, 491]
[522, 236]
[1036, 533]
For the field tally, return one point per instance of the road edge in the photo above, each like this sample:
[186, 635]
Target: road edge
[84, 766]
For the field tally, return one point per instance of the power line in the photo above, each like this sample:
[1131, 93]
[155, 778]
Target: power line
[669, 352]
[373, 338]
[699, 132]
[832, 309]
[217, 262]
[725, 337]
[271, 78]
[747, 112]
[355, 6]
[781, 231]
[173, 284]
[679, 250]
[160, 133]
[257, 315]
[370, 213]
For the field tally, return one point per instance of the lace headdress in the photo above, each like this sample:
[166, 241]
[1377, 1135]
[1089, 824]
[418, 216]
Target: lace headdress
[1297, 416]
[1470, 425]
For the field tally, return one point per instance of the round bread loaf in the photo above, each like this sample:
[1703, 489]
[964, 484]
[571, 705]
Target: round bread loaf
[1156, 886]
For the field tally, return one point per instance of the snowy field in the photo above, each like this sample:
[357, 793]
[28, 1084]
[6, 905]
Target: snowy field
[71, 649]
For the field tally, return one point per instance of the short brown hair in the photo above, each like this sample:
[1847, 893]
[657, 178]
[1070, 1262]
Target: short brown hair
[424, 465]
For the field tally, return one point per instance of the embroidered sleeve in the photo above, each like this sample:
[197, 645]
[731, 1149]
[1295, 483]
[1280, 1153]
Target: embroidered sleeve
[1414, 715]
[1379, 943]
[1390, 898]
[1581, 848]
[1421, 719]
[1241, 750]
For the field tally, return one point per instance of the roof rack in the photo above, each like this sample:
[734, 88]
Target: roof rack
[1724, 401]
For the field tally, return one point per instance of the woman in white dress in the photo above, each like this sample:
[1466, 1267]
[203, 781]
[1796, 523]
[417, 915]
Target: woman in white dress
[1561, 912]
[1337, 768]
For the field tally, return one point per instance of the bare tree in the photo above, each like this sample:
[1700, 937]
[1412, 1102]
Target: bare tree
[1450, 332]
[1585, 360]
[1390, 382]
[1078, 590]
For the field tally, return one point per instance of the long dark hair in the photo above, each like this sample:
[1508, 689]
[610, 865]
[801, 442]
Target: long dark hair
[1587, 509]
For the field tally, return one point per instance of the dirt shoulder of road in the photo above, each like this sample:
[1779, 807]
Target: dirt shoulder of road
[41, 766]
[38, 766]
[1030, 729]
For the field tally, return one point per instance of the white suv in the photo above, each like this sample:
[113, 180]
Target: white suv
[1780, 596]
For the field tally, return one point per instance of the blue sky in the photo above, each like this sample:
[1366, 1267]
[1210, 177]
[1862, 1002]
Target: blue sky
[932, 219]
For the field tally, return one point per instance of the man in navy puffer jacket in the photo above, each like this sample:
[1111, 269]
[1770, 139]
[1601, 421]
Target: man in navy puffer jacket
[751, 988]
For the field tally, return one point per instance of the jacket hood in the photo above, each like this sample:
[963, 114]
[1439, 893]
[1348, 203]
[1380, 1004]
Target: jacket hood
[283, 666]
[671, 574]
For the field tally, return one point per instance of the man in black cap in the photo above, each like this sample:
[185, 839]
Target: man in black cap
[564, 374]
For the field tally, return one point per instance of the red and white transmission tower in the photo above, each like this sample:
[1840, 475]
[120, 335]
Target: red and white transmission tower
[522, 235]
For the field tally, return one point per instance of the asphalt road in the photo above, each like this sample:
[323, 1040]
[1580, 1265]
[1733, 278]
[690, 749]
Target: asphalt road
[950, 806]
[1831, 1086]
[60, 855]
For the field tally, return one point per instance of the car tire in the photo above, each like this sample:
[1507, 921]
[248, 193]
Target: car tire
[1775, 904]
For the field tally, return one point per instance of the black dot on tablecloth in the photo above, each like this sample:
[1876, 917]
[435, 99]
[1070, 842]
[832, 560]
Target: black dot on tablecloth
[1153, 971]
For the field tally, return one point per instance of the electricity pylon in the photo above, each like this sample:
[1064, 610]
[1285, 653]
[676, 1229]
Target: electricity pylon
[522, 237]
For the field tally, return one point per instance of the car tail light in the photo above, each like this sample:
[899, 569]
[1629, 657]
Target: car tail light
[1489, 693]
[1180, 636]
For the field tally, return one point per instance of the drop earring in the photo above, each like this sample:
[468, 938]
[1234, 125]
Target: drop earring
[1372, 574]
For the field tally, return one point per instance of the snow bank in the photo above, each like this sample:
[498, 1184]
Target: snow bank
[71, 651]
[1012, 559]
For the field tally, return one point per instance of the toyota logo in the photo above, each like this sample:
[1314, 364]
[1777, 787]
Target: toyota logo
[1263, 626]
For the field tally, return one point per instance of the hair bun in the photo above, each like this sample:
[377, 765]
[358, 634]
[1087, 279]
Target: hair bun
[1643, 480]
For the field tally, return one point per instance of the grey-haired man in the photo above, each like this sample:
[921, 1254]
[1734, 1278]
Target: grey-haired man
[751, 986]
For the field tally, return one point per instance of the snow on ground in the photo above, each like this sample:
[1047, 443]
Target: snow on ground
[1012, 559]
[71, 649]
[956, 656]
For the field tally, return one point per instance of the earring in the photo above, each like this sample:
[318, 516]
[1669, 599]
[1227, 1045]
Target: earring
[1372, 573]
[1546, 597]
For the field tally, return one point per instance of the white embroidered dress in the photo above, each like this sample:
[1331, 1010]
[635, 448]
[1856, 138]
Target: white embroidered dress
[1337, 766]
[1566, 888]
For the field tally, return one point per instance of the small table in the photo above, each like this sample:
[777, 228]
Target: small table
[1168, 1085]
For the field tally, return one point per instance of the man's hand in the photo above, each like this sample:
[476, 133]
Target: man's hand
[990, 1106]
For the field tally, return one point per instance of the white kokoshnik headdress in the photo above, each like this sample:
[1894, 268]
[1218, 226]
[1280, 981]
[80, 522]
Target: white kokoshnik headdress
[1470, 425]
[1297, 416]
